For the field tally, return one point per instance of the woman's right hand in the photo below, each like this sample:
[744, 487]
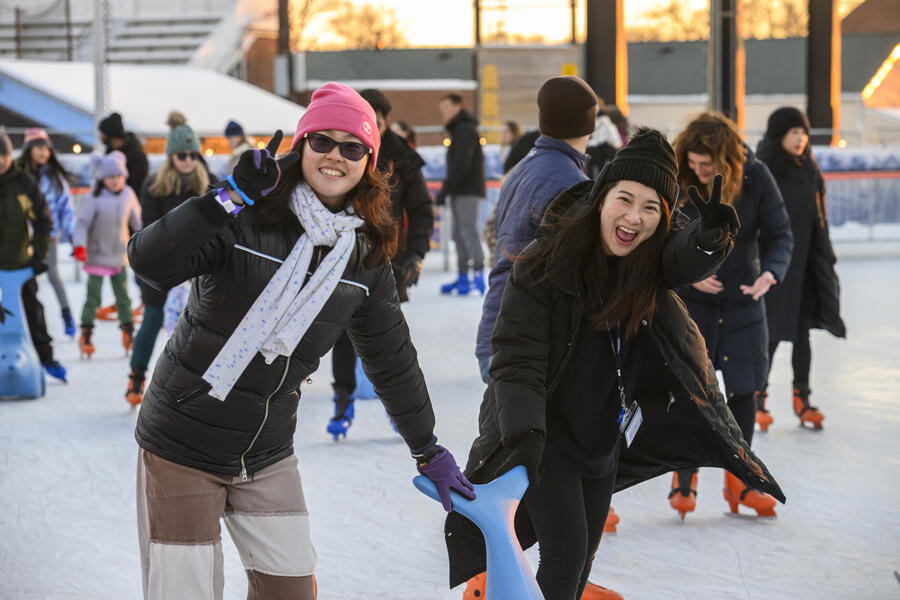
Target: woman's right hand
[710, 285]
[257, 172]
[718, 221]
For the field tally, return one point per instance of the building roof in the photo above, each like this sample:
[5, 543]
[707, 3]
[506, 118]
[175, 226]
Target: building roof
[60, 95]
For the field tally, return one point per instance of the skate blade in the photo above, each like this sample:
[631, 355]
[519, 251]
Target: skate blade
[747, 517]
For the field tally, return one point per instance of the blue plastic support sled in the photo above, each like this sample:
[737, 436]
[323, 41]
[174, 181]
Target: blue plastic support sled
[509, 575]
[20, 369]
[364, 389]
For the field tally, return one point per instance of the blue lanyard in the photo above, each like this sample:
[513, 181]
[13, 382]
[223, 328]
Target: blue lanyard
[617, 353]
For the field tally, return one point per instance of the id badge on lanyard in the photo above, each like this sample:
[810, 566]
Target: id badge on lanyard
[630, 417]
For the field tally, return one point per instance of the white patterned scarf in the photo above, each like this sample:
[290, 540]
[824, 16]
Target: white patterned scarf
[286, 308]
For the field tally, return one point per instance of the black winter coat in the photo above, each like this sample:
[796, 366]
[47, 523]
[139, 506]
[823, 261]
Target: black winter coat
[230, 260]
[152, 208]
[410, 200]
[811, 283]
[25, 219]
[135, 161]
[465, 160]
[687, 423]
[732, 323]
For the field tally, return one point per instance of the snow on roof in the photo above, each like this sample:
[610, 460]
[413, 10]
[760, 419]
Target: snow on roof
[144, 95]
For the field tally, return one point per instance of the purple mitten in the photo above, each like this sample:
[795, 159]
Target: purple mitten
[442, 470]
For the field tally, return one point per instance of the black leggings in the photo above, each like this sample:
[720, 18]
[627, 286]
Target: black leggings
[343, 366]
[801, 353]
[37, 326]
[568, 512]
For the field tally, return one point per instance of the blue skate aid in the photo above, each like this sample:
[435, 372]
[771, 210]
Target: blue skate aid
[20, 369]
[364, 388]
[493, 510]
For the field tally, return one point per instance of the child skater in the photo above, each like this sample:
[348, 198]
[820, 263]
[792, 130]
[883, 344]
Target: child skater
[100, 239]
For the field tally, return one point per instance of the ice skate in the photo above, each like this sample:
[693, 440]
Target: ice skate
[134, 395]
[737, 493]
[478, 282]
[127, 337]
[593, 591]
[612, 519]
[107, 313]
[475, 588]
[68, 322]
[763, 416]
[461, 286]
[56, 371]
[683, 496]
[85, 346]
[343, 417]
[802, 408]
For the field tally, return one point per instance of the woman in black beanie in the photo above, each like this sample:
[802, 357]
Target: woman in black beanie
[593, 348]
[809, 296]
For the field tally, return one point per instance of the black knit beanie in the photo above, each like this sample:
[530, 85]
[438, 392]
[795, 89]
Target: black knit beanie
[567, 108]
[112, 126]
[783, 120]
[647, 158]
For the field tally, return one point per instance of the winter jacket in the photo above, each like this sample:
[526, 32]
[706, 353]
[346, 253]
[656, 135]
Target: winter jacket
[230, 261]
[103, 226]
[25, 221]
[152, 208]
[552, 167]
[135, 161]
[59, 201]
[465, 160]
[733, 323]
[686, 422]
[410, 201]
[811, 283]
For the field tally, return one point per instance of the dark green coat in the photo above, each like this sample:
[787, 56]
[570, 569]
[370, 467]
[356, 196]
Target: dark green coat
[686, 420]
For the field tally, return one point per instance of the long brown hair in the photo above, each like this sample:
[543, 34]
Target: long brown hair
[170, 182]
[371, 200]
[571, 239]
[717, 136]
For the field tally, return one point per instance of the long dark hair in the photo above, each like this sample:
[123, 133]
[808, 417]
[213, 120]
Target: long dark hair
[571, 239]
[371, 200]
[55, 170]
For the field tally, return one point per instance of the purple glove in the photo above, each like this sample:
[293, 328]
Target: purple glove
[441, 468]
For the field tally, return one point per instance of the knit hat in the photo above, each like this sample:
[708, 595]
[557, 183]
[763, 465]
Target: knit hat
[112, 126]
[567, 107]
[336, 106]
[35, 136]
[110, 165]
[181, 138]
[647, 158]
[783, 120]
[233, 129]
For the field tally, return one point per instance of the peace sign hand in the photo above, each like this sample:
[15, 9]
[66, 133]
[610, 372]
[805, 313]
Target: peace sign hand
[718, 222]
[257, 172]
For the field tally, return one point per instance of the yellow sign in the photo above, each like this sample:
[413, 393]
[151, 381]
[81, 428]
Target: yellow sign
[569, 69]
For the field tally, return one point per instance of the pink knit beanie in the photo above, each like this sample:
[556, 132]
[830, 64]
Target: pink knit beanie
[336, 106]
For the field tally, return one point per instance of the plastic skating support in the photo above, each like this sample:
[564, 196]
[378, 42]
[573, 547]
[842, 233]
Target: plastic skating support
[509, 575]
[364, 389]
[20, 369]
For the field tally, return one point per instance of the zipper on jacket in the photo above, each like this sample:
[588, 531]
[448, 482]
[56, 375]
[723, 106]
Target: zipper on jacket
[190, 394]
[287, 364]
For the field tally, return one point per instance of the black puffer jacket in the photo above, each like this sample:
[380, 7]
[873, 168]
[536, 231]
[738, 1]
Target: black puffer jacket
[231, 260]
[811, 283]
[686, 420]
[465, 159]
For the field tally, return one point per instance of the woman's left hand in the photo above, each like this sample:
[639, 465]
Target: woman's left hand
[717, 221]
[257, 172]
[441, 468]
[760, 286]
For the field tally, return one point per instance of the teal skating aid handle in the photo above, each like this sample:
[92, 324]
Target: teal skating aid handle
[493, 510]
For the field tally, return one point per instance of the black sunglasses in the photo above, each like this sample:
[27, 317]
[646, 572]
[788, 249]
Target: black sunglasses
[323, 145]
[187, 155]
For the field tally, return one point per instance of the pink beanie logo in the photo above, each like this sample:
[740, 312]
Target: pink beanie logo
[337, 107]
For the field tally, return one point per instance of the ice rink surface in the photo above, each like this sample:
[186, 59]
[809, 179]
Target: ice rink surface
[67, 471]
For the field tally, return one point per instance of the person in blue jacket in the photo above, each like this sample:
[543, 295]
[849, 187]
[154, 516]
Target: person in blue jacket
[726, 306]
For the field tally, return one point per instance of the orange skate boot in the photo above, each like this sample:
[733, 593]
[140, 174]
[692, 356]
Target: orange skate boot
[612, 519]
[85, 346]
[736, 493]
[107, 313]
[597, 592]
[135, 392]
[803, 409]
[683, 496]
[475, 588]
[763, 416]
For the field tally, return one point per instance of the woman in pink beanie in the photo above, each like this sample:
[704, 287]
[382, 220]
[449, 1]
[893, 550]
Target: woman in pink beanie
[282, 257]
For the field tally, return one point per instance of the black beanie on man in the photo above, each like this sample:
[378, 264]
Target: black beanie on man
[647, 158]
[567, 108]
[783, 120]
[112, 126]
